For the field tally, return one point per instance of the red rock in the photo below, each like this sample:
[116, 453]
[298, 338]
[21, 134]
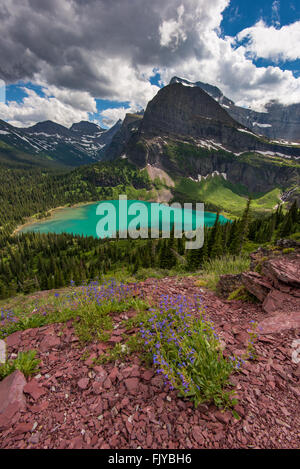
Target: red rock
[148, 375]
[97, 388]
[243, 337]
[149, 440]
[76, 443]
[13, 340]
[224, 417]
[101, 374]
[49, 342]
[39, 407]
[280, 322]
[12, 398]
[34, 439]
[197, 435]
[89, 361]
[285, 269]
[34, 389]
[22, 428]
[83, 383]
[297, 372]
[277, 302]
[125, 402]
[114, 374]
[132, 385]
[132, 371]
[256, 284]
[107, 383]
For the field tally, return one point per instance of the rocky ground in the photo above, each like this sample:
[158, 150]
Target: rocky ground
[124, 405]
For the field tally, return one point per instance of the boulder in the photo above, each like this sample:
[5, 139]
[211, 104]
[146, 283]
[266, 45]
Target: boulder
[283, 269]
[14, 339]
[280, 322]
[228, 284]
[278, 285]
[12, 399]
[288, 243]
[256, 284]
[277, 301]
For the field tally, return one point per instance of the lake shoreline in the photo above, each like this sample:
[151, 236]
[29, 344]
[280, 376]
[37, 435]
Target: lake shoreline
[34, 221]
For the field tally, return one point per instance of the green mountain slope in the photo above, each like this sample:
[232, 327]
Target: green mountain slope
[217, 193]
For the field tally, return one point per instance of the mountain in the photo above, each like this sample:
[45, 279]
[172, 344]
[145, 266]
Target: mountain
[186, 133]
[83, 143]
[87, 128]
[279, 122]
[129, 126]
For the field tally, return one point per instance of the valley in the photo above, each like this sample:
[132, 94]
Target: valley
[89, 322]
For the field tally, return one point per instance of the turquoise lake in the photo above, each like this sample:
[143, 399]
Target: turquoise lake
[83, 220]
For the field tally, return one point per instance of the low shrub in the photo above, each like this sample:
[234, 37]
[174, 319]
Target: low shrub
[187, 352]
[26, 362]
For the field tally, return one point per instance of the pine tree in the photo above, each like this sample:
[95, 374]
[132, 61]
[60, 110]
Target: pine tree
[217, 248]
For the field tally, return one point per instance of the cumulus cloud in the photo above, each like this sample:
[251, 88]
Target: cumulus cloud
[35, 108]
[80, 50]
[270, 43]
[112, 115]
[172, 31]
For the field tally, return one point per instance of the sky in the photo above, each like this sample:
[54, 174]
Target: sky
[73, 60]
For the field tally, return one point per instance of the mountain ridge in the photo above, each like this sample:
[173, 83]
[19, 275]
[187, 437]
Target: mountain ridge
[185, 132]
[83, 143]
[278, 122]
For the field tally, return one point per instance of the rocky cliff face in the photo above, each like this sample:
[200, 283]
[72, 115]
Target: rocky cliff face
[278, 122]
[186, 132]
[182, 111]
[128, 128]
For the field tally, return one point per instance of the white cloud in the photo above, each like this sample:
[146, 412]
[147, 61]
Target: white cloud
[35, 108]
[112, 115]
[104, 49]
[276, 12]
[270, 43]
[172, 31]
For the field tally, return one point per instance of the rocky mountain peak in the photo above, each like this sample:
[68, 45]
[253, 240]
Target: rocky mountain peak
[183, 110]
[86, 127]
[48, 127]
[278, 122]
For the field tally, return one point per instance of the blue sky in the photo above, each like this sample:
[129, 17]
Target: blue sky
[104, 92]
[243, 14]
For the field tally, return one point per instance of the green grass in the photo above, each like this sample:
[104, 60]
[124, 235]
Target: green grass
[217, 193]
[26, 362]
[267, 201]
[91, 307]
[95, 321]
[213, 269]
